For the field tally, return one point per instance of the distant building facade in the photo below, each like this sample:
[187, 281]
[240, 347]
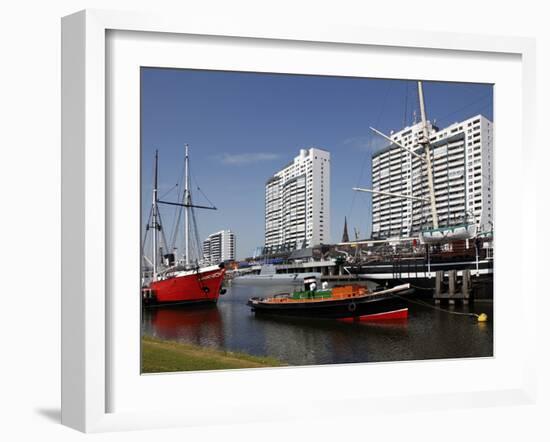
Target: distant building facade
[297, 202]
[462, 160]
[219, 247]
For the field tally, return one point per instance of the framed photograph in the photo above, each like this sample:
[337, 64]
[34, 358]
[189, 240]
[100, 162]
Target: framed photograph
[257, 217]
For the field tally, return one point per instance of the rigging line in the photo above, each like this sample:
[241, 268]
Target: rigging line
[168, 191]
[425, 304]
[162, 233]
[406, 103]
[196, 233]
[198, 251]
[369, 149]
[176, 223]
[176, 227]
[477, 100]
[486, 106]
[207, 199]
[195, 181]
[197, 236]
[401, 154]
[176, 220]
[173, 232]
[143, 243]
[148, 224]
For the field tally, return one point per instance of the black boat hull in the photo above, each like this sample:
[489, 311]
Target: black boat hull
[418, 268]
[422, 277]
[334, 309]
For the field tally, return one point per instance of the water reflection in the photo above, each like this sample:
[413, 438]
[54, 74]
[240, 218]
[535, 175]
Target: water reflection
[199, 325]
[230, 325]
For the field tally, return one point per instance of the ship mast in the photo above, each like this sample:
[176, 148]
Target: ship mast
[155, 216]
[187, 204]
[426, 158]
[426, 142]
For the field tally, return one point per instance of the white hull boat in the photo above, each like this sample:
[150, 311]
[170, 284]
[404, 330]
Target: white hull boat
[269, 276]
[448, 234]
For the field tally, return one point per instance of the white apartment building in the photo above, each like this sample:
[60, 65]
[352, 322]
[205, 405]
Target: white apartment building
[462, 162]
[219, 247]
[297, 202]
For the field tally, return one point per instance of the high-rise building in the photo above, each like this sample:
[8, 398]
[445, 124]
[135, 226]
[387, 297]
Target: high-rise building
[219, 247]
[462, 157]
[297, 202]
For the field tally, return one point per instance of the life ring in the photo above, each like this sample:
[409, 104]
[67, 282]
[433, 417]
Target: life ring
[352, 306]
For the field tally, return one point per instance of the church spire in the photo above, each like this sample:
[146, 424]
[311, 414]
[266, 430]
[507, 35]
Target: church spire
[345, 236]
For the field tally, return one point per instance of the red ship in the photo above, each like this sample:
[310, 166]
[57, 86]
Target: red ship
[187, 281]
[186, 286]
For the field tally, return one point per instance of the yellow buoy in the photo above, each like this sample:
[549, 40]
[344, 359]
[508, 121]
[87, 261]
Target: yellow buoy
[482, 317]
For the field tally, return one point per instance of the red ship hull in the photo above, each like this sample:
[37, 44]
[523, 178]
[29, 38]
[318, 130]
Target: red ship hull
[384, 316]
[203, 285]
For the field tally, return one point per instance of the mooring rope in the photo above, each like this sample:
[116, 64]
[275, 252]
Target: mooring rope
[425, 304]
[483, 316]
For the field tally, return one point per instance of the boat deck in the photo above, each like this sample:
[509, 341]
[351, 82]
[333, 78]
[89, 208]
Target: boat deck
[335, 294]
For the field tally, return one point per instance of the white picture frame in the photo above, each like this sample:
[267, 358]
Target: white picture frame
[87, 354]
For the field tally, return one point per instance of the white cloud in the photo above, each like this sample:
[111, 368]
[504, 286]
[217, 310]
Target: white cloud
[246, 158]
[365, 143]
[360, 143]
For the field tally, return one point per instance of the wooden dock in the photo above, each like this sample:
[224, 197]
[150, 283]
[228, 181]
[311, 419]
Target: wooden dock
[453, 290]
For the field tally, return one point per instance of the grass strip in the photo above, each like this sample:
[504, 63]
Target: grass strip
[158, 356]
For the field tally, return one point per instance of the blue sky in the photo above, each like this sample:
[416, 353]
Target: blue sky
[242, 127]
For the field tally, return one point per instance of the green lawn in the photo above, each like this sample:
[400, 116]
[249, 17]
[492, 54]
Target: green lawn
[166, 356]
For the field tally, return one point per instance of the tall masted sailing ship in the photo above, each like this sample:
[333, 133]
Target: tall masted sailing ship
[166, 280]
[470, 248]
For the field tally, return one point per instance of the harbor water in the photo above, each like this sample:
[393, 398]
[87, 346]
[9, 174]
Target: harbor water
[428, 333]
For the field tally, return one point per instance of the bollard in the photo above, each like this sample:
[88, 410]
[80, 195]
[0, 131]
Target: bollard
[438, 283]
[452, 283]
[466, 285]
